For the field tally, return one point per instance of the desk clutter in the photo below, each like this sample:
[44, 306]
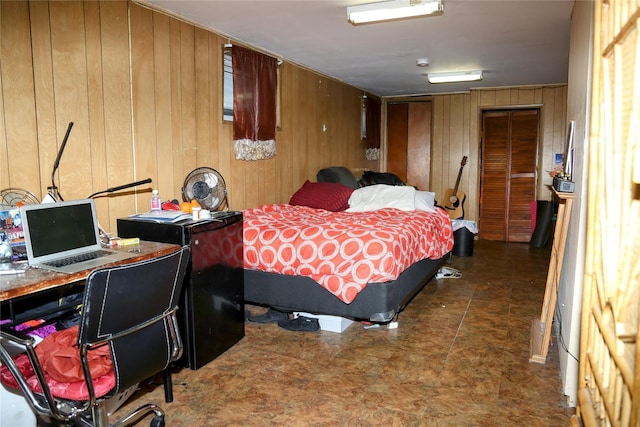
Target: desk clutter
[72, 372]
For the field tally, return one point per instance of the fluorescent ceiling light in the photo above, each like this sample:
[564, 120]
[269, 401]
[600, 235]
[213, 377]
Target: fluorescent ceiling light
[394, 9]
[454, 77]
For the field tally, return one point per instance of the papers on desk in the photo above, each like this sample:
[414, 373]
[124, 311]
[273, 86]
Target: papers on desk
[13, 267]
[162, 216]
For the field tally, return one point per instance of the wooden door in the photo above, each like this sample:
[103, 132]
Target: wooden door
[508, 174]
[397, 136]
[409, 142]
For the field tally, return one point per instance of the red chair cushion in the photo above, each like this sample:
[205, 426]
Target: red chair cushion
[60, 358]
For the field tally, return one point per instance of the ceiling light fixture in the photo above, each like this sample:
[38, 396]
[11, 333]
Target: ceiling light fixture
[455, 77]
[394, 9]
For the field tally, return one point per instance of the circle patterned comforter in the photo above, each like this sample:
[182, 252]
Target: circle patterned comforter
[342, 251]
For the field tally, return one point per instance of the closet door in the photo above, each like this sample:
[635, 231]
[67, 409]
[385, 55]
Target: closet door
[508, 174]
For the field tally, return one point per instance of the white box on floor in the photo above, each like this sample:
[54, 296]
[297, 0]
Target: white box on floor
[328, 323]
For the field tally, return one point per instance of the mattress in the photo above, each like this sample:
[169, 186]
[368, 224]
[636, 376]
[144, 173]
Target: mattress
[342, 251]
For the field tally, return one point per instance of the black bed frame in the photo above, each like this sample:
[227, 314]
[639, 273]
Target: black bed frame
[378, 302]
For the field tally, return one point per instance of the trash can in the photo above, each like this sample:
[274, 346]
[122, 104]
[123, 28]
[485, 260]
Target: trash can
[463, 236]
[543, 231]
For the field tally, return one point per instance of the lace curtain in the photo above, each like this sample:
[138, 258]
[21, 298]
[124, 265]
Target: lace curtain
[254, 104]
[373, 128]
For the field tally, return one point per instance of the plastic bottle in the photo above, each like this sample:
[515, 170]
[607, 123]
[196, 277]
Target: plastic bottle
[156, 201]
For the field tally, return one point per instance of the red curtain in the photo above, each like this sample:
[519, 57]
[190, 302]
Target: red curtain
[372, 115]
[254, 104]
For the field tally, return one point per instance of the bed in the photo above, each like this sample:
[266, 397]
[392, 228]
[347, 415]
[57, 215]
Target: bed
[361, 254]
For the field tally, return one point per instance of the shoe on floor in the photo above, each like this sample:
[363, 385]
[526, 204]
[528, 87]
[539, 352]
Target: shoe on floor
[300, 323]
[270, 316]
[448, 273]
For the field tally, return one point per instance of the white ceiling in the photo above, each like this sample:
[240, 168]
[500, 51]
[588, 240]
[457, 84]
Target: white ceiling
[515, 42]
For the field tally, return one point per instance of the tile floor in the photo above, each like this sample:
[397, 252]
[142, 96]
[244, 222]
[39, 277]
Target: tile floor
[458, 358]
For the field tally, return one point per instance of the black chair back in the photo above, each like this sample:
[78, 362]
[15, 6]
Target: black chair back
[132, 309]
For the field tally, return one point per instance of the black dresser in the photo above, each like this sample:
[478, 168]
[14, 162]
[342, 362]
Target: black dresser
[212, 306]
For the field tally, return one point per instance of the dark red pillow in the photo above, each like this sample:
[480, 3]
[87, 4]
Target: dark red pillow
[330, 196]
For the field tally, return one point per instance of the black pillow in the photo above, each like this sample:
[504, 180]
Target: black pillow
[339, 174]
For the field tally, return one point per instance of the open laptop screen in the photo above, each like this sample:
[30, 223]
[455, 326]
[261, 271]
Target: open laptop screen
[60, 227]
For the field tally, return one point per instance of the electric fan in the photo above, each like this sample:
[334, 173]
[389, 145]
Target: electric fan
[206, 186]
[15, 197]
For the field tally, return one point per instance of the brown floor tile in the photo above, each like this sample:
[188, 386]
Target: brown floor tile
[458, 358]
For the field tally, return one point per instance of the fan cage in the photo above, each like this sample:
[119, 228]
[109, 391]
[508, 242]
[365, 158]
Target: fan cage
[207, 186]
[11, 197]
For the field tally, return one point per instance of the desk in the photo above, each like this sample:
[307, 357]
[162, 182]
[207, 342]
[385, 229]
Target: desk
[37, 286]
[37, 280]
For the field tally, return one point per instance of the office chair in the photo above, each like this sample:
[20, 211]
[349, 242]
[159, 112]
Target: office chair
[129, 308]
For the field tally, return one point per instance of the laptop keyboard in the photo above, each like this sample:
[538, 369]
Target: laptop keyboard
[77, 258]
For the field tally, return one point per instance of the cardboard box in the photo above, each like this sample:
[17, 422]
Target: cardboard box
[328, 323]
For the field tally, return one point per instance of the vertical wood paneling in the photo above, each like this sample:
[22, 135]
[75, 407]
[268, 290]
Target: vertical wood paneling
[143, 89]
[175, 113]
[151, 108]
[203, 112]
[47, 135]
[503, 97]
[117, 105]
[284, 146]
[473, 167]
[71, 97]
[457, 143]
[96, 107]
[187, 98]
[456, 132]
[161, 170]
[437, 148]
[20, 126]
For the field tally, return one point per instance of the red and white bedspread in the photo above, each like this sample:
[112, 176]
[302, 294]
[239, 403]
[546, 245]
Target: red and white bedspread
[342, 251]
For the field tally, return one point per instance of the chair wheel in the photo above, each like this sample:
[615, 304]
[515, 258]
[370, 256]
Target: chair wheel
[157, 421]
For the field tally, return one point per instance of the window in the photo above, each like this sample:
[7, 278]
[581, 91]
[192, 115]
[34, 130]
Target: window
[227, 85]
[363, 129]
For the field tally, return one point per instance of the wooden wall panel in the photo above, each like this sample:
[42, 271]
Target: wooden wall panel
[143, 83]
[456, 132]
[145, 92]
[117, 106]
[47, 133]
[96, 107]
[154, 110]
[70, 91]
[19, 121]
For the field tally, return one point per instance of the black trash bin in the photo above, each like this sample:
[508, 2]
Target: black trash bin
[463, 242]
[542, 234]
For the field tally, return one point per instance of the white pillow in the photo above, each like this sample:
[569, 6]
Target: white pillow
[374, 197]
[425, 201]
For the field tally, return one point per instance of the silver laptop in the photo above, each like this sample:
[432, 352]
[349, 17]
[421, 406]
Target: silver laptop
[64, 237]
